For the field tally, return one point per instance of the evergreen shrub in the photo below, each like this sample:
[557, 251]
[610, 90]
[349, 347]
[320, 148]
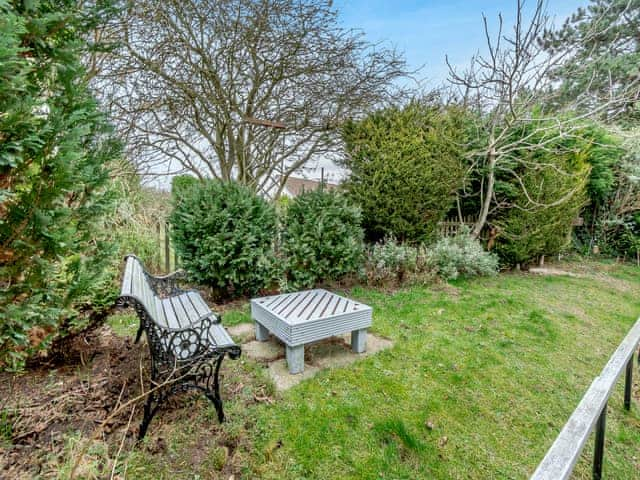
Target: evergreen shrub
[224, 234]
[322, 239]
[55, 148]
[406, 165]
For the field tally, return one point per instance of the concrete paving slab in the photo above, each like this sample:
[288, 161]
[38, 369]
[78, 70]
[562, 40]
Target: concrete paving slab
[328, 353]
[263, 351]
[242, 332]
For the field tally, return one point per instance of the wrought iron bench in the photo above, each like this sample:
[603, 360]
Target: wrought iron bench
[187, 341]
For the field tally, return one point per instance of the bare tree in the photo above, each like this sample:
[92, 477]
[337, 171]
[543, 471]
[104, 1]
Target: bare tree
[511, 88]
[248, 90]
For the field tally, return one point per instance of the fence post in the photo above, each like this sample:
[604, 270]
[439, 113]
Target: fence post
[167, 254]
[627, 384]
[159, 232]
[598, 453]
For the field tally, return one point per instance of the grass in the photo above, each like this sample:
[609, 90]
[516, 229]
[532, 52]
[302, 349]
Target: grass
[125, 325]
[482, 377]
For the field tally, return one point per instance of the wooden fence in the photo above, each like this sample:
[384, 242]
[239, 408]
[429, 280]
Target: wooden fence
[167, 256]
[450, 227]
[560, 460]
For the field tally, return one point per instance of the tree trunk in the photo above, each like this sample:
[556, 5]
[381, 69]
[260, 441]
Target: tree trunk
[486, 201]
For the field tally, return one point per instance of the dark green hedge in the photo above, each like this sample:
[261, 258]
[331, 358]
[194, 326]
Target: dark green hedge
[322, 239]
[224, 235]
[406, 165]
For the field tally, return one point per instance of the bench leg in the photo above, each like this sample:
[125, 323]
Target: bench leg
[359, 340]
[139, 334]
[295, 359]
[149, 413]
[215, 395]
[212, 392]
[262, 333]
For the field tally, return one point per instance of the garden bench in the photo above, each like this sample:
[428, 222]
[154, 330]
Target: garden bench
[187, 341]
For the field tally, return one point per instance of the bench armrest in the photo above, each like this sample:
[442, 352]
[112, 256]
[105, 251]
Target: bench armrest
[179, 274]
[196, 340]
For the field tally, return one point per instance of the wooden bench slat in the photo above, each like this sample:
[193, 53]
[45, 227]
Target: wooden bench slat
[220, 336]
[137, 284]
[149, 297]
[288, 303]
[192, 314]
[330, 307]
[136, 280]
[198, 303]
[182, 334]
[172, 321]
[302, 303]
[292, 305]
[161, 315]
[179, 311]
[320, 304]
[128, 275]
[181, 316]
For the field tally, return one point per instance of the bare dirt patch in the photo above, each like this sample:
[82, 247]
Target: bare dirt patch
[242, 332]
[43, 404]
[94, 400]
[600, 272]
[554, 272]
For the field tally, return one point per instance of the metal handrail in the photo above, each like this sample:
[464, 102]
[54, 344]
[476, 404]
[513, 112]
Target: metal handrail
[560, 460]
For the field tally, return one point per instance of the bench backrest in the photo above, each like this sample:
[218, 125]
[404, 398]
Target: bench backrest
[135, 284]
[181, 325]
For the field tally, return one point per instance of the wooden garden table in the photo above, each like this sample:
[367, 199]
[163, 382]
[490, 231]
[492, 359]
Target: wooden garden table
[303, 317]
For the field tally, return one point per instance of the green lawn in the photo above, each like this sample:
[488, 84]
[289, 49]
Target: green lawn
[483, 375]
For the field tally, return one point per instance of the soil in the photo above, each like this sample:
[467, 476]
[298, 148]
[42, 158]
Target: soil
[90, 391]
[45, 402]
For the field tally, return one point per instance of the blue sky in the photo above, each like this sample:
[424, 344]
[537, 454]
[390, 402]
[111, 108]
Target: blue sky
[426, 30]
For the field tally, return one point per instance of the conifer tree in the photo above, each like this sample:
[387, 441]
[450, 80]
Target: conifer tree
[55, 148]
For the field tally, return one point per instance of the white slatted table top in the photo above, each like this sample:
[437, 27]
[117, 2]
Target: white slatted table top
[308, 306]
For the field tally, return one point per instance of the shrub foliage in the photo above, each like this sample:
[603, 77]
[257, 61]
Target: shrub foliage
[545, 198]
[390, 260]
[138, 213]
[53, 181]
[451, 257]
[406, 165]
[181, 183]
[322, 239]
[224, 234]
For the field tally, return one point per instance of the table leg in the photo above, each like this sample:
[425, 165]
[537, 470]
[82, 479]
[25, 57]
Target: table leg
[295, 359]
[359, 340]
[262, 333]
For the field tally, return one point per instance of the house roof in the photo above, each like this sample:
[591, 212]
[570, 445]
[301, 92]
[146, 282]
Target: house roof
[295, 186]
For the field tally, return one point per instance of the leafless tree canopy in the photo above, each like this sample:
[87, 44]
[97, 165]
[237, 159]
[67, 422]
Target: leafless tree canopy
[512, 89]
[207, 86]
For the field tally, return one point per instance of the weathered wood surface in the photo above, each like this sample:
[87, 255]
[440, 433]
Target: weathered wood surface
[187, 342]
[560, 460]
[304, 317]
[177, 312]
[299, 307]
[450, 227]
